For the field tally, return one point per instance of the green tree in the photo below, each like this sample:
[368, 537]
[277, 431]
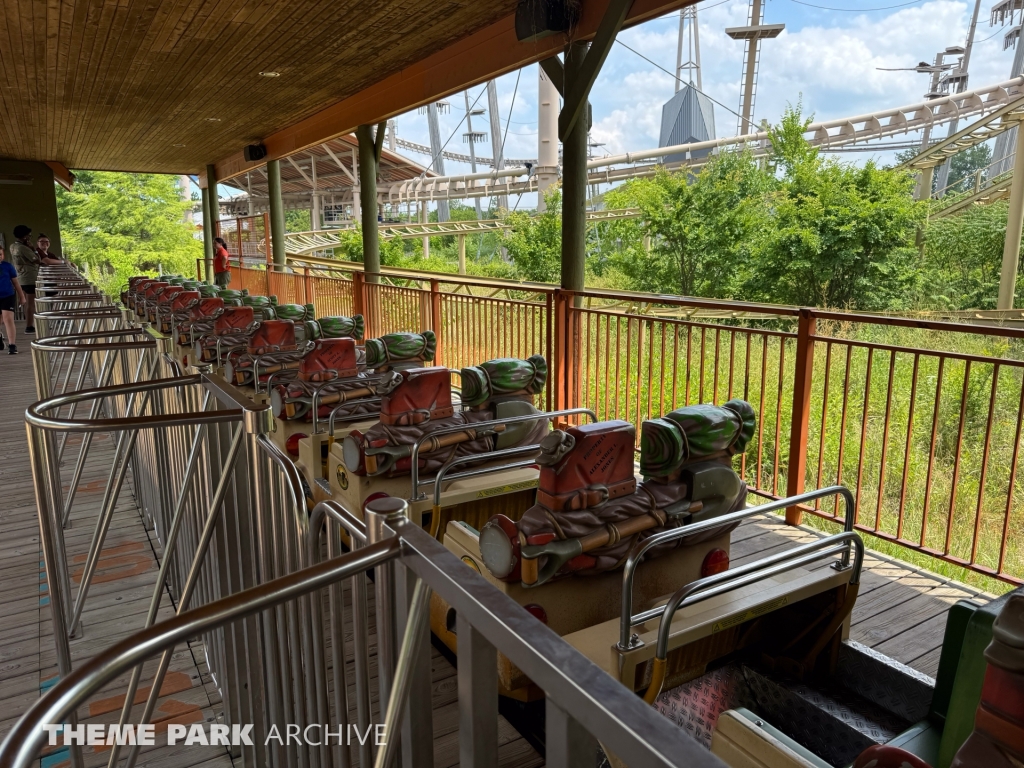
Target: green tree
[962, 167]
[534, 243]
[125, 224]
[701, 227]
[836, 235]
[297, 220]
[963, 257]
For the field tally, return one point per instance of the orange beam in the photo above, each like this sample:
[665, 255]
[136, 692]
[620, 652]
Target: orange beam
[475, 59]
[62, 175]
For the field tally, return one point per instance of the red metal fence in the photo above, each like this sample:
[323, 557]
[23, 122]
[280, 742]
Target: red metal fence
[246, 236]
[922, 419]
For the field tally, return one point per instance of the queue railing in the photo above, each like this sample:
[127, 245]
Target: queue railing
[585, 707]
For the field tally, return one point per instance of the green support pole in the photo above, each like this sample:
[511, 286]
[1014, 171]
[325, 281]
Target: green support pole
[277, 225]
[207, 235]
[368, 202]
[211, 184]
[574, 183]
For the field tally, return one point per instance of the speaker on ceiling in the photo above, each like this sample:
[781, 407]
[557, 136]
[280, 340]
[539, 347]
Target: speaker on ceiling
[536, 19]
[254, 152]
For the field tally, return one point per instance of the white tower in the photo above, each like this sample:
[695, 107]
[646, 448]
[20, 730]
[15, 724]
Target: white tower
[547, 136]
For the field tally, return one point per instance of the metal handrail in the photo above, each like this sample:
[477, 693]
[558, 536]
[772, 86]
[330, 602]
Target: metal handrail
[334, 417]
[90, 341]
[20, 748]
[414, 455]
[36, 413]
[443, 472]
[749, 573]
[627, 620]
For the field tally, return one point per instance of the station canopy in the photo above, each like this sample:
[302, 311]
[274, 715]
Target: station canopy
[328, 169]
[172, 86]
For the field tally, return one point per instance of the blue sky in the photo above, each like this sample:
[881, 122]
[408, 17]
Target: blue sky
[830, 59]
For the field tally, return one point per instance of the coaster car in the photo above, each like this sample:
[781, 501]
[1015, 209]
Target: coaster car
[425, 430]
[563, 559]
[876, 713]
[335, 384]
[233, 327]
[278, 347]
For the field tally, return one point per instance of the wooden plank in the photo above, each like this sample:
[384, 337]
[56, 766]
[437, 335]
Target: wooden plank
[899, 619]
[910, 647]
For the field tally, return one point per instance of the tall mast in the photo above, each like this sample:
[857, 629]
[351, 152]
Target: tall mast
[437, 159]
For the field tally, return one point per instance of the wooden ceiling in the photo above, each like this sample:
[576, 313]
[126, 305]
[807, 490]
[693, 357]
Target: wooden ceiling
[170, 85]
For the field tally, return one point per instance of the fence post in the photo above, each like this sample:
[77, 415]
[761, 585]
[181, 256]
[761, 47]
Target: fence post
[564, 361]
[307, 286]
[807, 329]
[435, 316]
[359, 304]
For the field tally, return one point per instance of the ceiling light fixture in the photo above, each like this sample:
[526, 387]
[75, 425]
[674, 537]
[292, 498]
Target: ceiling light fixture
[213, 119]
[177, 145]
[270, 74]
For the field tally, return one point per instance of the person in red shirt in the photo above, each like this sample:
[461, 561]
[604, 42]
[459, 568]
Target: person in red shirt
[221, 268]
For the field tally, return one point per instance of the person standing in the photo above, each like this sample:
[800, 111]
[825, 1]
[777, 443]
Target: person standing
[11, 295]
[46, 259]
[25, 260]
[43, 252]
[221, 267]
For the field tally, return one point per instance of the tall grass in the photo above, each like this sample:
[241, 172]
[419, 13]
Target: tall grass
[922, 426]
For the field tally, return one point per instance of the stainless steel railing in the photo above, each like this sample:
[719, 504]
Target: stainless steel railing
[628, 619]
[225, 504]
[584, 704]
[246, 566]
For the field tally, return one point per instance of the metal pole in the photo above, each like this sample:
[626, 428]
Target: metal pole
[1014, 221]
[696, 44]
[472, 148]
[211, 186]
[462, 253]
[924, 183]
[53, 559]
[163, 576]
[574, 184]
[314, 208]
[379, 513]
[404, 675]
[437, 158]
[277, 226]
[750, 72]
[679, 49]
[424, 217]
[496, 140]
[368, 203]
[207, 235]
[192, 580]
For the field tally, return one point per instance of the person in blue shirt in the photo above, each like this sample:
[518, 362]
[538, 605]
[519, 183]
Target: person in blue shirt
[11, 295]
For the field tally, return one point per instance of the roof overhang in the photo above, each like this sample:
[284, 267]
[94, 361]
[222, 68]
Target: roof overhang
[474, 59]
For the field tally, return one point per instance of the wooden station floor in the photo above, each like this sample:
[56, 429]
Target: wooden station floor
[900, 610]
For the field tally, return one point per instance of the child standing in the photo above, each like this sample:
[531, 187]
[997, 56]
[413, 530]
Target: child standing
[11, 295]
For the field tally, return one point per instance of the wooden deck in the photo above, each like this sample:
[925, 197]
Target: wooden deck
[900, 611]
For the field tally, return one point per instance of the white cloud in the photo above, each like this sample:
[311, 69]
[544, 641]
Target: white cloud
[831, 60]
